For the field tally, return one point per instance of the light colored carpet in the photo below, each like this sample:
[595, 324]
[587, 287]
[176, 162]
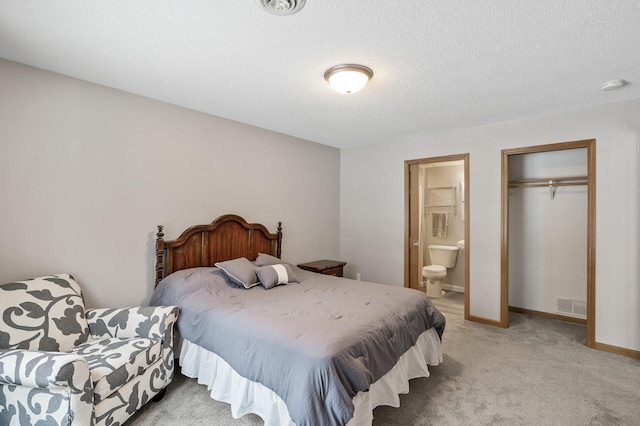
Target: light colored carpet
[536, 372]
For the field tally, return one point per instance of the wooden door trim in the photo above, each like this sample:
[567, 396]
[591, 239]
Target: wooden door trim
[590, 145]
[467, 235]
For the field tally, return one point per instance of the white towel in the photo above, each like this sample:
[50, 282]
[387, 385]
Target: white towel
[439, 224]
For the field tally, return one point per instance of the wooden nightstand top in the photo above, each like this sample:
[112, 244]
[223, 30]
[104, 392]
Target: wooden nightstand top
[321, 265]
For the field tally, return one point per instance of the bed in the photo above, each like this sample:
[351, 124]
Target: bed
[292, 346]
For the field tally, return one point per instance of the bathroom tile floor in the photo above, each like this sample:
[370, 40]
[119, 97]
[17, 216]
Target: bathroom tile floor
[451, 303]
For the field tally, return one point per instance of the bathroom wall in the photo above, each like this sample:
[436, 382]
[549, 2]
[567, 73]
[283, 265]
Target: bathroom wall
[438, 175]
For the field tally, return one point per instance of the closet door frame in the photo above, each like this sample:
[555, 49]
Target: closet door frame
[590, 145]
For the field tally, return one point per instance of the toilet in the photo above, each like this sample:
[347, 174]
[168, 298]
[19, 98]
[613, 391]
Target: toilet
[442, 257]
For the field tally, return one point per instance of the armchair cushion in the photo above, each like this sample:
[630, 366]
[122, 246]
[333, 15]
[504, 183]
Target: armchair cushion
[45, 313]
[113, 362]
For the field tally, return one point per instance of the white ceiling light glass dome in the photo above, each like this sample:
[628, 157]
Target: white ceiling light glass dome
[348, 78]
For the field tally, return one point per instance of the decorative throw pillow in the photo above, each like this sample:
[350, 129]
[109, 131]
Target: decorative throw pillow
[45, 313]
[239, 271]
[272, 275]
[264, 259]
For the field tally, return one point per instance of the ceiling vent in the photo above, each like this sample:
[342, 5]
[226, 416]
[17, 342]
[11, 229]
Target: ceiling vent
[281, 7]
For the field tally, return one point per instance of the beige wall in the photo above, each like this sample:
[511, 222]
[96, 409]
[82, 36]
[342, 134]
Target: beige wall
[372, 207]
[87, 172]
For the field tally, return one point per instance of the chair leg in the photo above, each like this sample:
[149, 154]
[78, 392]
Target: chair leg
[159, 395]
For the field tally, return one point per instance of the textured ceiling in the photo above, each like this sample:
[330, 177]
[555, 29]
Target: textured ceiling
[438, 65]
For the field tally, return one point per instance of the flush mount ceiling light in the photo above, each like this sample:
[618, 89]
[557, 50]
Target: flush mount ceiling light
[281, 7]
[348, 78]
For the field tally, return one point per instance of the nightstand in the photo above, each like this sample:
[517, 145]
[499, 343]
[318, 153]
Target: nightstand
[326, 267]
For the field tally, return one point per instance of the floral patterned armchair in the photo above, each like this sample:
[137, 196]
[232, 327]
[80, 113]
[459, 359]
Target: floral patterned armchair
[62, 365]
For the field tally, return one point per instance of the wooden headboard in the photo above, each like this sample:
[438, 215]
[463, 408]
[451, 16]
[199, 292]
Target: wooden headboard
[227, 237]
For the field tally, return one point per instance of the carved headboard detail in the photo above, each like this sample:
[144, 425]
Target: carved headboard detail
[227, 237]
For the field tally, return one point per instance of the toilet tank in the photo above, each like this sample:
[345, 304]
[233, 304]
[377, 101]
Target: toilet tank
[443, 255]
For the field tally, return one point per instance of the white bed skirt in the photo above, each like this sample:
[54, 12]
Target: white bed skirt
[246, 396]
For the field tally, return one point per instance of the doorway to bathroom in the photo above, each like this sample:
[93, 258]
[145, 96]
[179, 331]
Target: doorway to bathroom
[548, 233]
[437, 215]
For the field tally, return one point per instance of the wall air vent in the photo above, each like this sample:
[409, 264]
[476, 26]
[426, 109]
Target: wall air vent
[574, 308]
[281, 7]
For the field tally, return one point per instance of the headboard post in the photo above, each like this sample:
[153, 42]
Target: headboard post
[279, 241]
[159, 255]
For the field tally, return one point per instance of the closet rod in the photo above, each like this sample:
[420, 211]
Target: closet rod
[551, 183]
[534, 185]
[569, 178]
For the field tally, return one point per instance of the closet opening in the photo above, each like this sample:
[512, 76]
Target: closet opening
[437, 230]
[548, 233]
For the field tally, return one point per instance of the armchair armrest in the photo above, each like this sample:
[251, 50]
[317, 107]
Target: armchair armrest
[149, 321]
[144, 321]
[62, 382]
[38, 369]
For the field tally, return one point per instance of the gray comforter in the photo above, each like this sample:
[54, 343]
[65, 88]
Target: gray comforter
[316, 344]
